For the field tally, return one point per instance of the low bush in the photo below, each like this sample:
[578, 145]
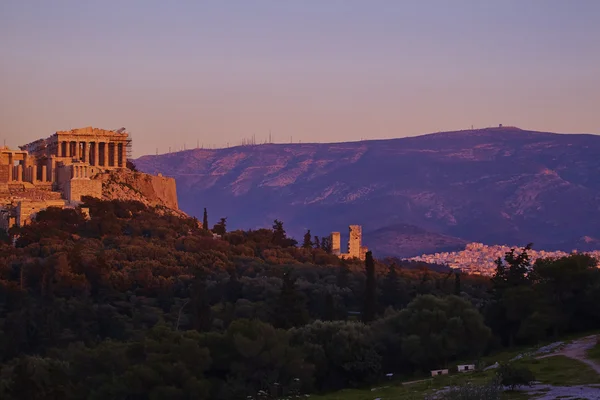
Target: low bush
[514, 376]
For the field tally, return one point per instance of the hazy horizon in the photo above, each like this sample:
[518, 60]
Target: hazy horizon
[214, 73]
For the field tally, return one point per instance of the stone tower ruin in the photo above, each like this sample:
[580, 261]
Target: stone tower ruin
[355, 247]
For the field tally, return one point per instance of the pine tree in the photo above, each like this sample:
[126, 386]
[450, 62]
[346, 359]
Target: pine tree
[279, 235]
[205, 220]
[307, 243]
[370, 289]
[221, 227]
[317, 243]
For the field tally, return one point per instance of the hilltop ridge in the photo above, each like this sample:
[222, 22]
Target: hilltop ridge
[493, 185]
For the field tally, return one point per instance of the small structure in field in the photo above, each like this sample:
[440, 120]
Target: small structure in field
[438, 372]
[466, 368]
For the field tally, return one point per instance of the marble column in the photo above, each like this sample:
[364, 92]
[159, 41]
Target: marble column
[86, 153]
[105, 154]
[96, 153]
[10, 167]
[44, 173]
[19, 173]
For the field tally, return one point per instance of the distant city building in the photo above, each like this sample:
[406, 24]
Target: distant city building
[480, 259]
[355, 247]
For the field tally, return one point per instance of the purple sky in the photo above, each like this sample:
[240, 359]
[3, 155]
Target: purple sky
[179, 72]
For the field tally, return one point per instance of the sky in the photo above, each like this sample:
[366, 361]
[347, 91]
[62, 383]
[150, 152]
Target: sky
[182, 73]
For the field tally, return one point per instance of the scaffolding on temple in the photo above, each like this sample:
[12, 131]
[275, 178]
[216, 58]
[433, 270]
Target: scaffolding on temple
[129, 142]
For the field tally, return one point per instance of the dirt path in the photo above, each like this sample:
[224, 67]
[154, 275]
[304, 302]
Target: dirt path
[578, 350]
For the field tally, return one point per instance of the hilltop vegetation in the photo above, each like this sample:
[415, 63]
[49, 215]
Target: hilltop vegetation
[135, 304]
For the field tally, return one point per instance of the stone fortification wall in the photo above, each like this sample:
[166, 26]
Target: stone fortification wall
[151, 190]
[75, 189]
[27, 209]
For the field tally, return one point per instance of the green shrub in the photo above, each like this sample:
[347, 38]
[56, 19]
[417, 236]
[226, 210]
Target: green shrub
[514, 376]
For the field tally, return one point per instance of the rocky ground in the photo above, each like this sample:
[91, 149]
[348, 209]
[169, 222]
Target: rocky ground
[576, 350]
[151, 190]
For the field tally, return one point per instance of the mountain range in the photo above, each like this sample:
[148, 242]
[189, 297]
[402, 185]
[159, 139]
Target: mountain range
[412, 195]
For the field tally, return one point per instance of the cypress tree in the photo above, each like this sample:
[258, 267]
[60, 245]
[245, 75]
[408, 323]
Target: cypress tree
[205, 221]
[370, 289]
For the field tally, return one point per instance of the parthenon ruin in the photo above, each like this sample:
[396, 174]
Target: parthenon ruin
[355, 247]
[61, 166]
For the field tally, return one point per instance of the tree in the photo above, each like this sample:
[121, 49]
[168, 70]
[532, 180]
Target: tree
[326, 244]
[234, 287]
[221, 227]
[329, 308]
[457, 283]
[279, 235]
[317, 243]
[370, 289]
[513, 295]
[307, 243]
[515, 273]
[131, 166]
[344, 353]
[205, 220]
[200, 306]
[567, 293]
[290, 309]
[431, 331]
[393, 295]
[514, 376]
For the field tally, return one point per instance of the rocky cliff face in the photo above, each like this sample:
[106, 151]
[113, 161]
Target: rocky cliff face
[152, 190]
[498, 185]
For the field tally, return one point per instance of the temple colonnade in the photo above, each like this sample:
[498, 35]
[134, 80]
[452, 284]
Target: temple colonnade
[98, 154]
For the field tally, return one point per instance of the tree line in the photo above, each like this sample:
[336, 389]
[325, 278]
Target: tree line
[133, 303]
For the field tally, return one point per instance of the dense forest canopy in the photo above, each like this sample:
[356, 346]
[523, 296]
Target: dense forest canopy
[134, 304]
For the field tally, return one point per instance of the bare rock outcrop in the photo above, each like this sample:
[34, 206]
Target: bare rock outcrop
[152, 190]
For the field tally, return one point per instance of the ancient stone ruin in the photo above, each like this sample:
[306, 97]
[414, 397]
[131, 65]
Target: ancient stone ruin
[355, 247]
[58, 171]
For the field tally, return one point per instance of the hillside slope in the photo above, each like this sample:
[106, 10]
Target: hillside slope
[495, 185]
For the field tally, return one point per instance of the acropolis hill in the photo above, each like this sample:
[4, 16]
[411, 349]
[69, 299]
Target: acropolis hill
[68, 165]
